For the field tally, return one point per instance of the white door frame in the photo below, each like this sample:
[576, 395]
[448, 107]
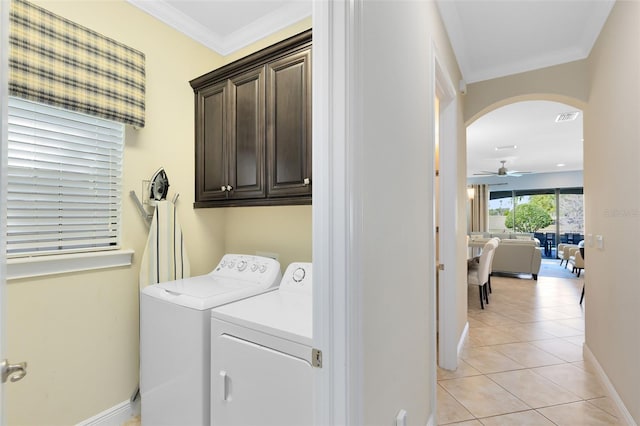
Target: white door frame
[448, 212]
[4, 90]
[336, 236]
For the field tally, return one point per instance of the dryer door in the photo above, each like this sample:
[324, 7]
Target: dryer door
[255, 385]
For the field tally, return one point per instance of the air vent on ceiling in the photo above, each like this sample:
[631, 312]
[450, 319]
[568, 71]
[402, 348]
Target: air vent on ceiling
[567, 116]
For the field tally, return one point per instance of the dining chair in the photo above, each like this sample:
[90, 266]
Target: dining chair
[583, 284]
[550, 243]
[479, 276]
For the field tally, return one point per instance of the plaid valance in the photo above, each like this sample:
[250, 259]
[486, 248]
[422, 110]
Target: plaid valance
[58, 62]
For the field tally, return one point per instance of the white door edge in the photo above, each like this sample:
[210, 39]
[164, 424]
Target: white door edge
[336, 306]
[448, 294]
[4, 90]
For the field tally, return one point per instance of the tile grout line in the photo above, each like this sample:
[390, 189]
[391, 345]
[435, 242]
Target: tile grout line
[565, 313]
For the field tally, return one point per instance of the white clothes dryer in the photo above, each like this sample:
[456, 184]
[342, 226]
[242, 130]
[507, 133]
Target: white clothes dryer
[261, 356]
[175, 349]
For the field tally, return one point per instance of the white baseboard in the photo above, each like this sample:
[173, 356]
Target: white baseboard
[114, 416]
[463, 338]
[611, 390]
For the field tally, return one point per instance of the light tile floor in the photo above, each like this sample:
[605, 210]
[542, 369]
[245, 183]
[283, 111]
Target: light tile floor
[522, 363]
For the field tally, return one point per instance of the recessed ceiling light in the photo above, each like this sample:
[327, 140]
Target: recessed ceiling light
[567, 116]
[504, 147]
[560, 164]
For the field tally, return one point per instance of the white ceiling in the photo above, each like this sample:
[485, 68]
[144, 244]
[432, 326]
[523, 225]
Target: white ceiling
[490, 38]
[496, 38]
[541, 143]
[225, 26]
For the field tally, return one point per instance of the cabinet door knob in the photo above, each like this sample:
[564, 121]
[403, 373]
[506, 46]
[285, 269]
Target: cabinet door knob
[229, 187]
[307, 181]
[223, 188]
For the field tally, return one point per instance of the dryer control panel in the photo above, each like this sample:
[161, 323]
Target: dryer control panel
[256, 269]
[298, 278]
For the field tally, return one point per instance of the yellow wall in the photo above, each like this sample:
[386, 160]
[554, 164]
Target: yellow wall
[562, 83]
[79, 332]
[612, 204]
[285, 231]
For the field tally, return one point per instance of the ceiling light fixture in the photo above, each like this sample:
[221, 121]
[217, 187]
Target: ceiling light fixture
[567, 116]
[505, 147]
[560, 164]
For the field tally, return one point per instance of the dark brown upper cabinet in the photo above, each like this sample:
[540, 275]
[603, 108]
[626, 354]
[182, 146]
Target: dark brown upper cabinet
[253, 128]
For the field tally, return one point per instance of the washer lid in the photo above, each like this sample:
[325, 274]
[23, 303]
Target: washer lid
[203, 292]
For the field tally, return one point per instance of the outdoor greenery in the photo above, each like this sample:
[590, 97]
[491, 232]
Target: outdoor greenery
[546, 201]
[528, 218]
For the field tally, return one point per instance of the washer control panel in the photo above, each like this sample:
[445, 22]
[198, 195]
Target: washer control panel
[297, 277]
[258, 269]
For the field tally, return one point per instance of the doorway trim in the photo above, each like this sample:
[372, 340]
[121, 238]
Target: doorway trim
[337, 290]
[448, 212]
[4, 92]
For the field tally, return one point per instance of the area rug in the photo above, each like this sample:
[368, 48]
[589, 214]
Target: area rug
[552, 268]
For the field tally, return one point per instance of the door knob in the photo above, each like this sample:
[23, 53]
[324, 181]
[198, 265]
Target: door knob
[14, 372]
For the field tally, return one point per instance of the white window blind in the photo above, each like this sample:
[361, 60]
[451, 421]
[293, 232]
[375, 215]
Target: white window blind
[64, 180]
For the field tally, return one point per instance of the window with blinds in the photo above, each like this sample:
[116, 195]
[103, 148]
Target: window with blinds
[64, 180]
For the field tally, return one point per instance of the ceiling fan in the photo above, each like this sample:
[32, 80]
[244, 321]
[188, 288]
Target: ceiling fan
[502, 171]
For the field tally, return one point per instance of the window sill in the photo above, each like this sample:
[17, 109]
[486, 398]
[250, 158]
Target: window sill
[28, 267]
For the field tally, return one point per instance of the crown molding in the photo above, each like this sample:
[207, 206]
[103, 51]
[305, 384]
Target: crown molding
[224, 45]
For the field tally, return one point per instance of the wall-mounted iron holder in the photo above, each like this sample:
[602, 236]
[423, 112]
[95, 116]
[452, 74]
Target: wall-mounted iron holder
[146, 201]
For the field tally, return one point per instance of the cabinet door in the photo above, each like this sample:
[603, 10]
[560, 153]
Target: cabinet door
[211, 143]
[289, 125]
[246, 135]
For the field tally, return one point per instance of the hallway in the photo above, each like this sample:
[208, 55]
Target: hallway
[522, 363]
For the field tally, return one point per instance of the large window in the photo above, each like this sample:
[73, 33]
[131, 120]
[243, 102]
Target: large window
[64, 180]
[571, 215]
[500, 204]
[525, 211]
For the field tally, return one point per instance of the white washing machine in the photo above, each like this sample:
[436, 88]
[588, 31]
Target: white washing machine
[261, 356]
[175, 349]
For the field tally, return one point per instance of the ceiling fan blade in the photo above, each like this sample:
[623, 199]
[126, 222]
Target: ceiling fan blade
[517, 173]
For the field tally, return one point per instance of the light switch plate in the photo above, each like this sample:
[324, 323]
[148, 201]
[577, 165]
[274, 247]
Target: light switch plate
[600, 242]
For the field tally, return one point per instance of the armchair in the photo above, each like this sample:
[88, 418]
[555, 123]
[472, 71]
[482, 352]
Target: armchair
[564, 252]
[576, 260]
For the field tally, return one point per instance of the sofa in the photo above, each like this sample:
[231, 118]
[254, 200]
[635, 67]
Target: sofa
[513, 256]
[525, 236]
[518, 257]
